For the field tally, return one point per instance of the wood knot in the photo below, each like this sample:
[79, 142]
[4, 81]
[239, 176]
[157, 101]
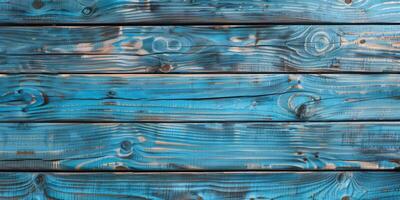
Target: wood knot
[301, 112]
[362, 41]
[301, 104]
[341, 177]
[39, 179]
[126, 145]
[37, 4]
[319, 42]
[348, 1]
[167, 44]
[126, 149]
[344, 179]
[166, 68]
[87, 11]
[24, 98]
[345, 198]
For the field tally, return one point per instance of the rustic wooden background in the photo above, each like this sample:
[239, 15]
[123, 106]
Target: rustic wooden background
[199, 99]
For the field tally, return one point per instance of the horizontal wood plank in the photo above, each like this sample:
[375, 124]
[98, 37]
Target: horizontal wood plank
[205, 186]
[182, 49]
[199, 146]
[200, 11]
[173, 98]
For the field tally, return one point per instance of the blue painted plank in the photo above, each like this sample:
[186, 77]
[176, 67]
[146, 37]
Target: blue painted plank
[202, 186]
[199, 146]
[181, 49]
[202, 97]
[199, 11]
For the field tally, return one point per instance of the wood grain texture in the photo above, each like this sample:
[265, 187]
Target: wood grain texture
[199, 11]
[181, 49]
[202, 186]
[159, 98]
[199, 146]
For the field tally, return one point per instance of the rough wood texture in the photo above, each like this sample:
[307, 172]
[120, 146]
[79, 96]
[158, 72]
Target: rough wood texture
[202, 186]
[204, 146]
[200, 49]
[199, 11]
[123, 98]
[312, 97]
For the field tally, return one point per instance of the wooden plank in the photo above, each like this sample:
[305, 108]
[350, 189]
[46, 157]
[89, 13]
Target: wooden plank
[199, 146]
[200, 11]
[205, 186]
[184, 49]
[160, 98]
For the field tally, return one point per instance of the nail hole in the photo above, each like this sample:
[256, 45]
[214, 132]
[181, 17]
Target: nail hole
[20, 91]
[87, 11]
[111, 93]
[24, 109]
[316, 155]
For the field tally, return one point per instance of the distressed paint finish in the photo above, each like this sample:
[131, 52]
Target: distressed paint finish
[199, 11]
[317, 99]
[202, 186]
[218, 97]
[181, 49]
[200, 146]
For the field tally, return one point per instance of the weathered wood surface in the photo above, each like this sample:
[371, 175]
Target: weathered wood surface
[246, 97]
[202, 186]
[181, 49]
[199, 11]
[200, 146]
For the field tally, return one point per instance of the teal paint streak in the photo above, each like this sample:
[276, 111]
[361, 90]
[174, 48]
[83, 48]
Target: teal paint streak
[199, 146]
[200, 11]
[184, 49]
[206, 186]
[280, 97]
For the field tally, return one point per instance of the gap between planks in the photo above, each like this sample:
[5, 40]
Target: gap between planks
[196, 73]
[197, 24]
[198, 171]
[202, 122]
